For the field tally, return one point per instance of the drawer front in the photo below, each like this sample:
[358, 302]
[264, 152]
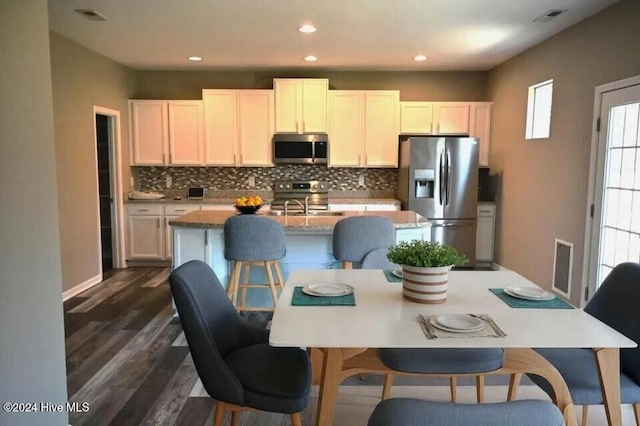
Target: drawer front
[180, 209]
[486, 210]
[145, 209]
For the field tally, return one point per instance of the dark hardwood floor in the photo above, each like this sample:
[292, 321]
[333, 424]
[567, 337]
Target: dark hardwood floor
[120, 357]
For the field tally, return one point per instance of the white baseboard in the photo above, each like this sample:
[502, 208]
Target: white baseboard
[81, 287]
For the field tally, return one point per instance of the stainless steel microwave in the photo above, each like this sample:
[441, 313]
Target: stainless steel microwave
[310, 148]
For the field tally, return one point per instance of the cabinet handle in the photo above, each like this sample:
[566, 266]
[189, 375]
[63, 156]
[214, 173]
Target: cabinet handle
[303, 126]
[180, 210]
[359, 159]
[297, 126]
[240, 158]
[143, 210]
[170, 158]
[485, 211]
[158, 222]
[164, 158]
[366, 160]
[206, 238]
[437, 127]
[234, 159]
[431, 127]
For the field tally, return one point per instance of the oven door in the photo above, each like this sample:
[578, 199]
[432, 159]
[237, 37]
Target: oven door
[290, 152]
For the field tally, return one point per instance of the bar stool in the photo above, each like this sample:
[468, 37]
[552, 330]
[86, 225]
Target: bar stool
[355, 237]
[251, 240]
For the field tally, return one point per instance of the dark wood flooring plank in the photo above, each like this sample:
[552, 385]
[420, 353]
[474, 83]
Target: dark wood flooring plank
[159, 279]
[156, 302]
[135, 287]
[137, 407]
[93, 364]
[74, 341]
[171, 402]
[116, 382]
[100, 296]
[195, 412]
[127, 274]
[69, 304]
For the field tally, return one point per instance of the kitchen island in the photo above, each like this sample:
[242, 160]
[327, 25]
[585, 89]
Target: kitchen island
[199, 235]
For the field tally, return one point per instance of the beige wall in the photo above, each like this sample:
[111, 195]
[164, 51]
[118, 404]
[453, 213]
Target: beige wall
[81, 79]
[543, 184]
[413, 86]
[32, 365]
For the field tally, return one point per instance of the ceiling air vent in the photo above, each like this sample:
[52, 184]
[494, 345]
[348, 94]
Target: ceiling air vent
[91, 15]
[549, 15]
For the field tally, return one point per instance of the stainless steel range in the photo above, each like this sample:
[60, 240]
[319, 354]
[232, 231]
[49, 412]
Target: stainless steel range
[295, 193]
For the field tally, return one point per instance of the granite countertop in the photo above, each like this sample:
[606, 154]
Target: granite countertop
[215, 219]
[332, 200]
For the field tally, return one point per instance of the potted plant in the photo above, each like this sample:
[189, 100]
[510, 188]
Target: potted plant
[425, 269]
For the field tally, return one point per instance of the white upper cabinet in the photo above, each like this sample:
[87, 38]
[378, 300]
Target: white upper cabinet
[381, 128]
[346, 128]
[434, 118]
[480, 127]
[186, 133]
[300, 105]
[238, 127]
[416, 117]
[167, 133]
[363, 128]
[255, 110]
[220, 126]
[149, 132]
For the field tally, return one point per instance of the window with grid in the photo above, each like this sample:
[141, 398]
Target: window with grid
[620, 234]
[539, 110]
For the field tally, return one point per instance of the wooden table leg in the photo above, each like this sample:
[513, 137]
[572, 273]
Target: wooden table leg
[331, 378]
[317, 362]
[608, 362]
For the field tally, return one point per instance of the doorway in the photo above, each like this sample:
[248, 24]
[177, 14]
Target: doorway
[109, 188]
[615, 207]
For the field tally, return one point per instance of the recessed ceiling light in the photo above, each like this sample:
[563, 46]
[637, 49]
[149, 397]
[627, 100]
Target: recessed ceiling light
[307, 28]
[310, 58]
[419, 58]
[195, 58]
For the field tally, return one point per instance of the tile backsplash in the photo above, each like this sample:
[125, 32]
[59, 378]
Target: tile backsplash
[237, 178]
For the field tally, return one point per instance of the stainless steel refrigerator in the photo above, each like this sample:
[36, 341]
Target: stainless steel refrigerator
[438, 179]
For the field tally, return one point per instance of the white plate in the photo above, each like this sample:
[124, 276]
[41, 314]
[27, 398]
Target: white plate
[529, 293]
[397, 272]
[458, 323]
[331, 290]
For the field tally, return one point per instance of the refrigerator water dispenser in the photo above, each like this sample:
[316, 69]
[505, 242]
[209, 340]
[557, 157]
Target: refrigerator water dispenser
[424, 181]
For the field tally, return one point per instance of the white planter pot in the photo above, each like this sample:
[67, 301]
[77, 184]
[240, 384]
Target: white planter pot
[425, 285]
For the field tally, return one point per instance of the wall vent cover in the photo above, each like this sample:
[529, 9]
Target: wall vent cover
[549, 15]
[91, 15]
[562, 266]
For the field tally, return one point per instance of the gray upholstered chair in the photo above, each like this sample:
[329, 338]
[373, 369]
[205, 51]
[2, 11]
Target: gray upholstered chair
[415, 412]
[366, 240]
[356, 238]
[233, 358]
[616, 304]
[251, 240]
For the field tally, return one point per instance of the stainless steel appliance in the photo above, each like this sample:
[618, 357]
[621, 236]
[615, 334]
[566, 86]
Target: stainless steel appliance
[438, 179]
[309, 148]
[315, 192]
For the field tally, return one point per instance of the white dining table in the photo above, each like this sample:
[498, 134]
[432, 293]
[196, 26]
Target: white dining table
[382, 318]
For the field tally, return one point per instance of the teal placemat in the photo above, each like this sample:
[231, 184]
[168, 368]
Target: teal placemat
[390, 277]
[514, 302]
[301, 299]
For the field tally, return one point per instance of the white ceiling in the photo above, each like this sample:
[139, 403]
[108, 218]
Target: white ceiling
[352, 34]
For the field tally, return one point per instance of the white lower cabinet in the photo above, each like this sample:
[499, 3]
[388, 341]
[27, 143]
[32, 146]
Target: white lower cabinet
[485, 232]
[149, 235]
[145, 237]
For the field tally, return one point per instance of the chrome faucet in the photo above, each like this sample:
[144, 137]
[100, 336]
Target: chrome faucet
[305, 206]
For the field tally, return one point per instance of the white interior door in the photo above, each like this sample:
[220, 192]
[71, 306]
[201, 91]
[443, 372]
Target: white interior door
[616, 219]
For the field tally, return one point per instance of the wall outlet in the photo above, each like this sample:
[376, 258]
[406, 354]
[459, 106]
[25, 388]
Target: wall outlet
[251, 181]
[169, 181]
[361, 180]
